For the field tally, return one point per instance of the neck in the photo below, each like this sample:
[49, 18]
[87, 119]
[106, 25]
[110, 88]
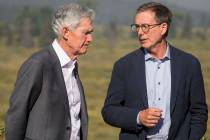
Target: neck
[68, 50]
[158, 51]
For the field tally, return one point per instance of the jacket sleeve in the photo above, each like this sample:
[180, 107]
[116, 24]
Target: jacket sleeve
[198, 106]
[114, 112]
[26, 91]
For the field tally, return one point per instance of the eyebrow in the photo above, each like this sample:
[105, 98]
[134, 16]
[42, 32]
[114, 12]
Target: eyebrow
[90, 31]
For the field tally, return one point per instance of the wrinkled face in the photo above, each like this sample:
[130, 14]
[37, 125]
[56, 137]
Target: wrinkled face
[79, 38]
[155, 30]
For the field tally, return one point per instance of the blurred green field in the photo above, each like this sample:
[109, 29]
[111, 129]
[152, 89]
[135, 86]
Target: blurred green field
[95, 71]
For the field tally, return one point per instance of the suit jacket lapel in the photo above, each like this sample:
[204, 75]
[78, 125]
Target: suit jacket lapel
[175, 76]
[83, 113]
[83, 102]
[82, 96]
[60, 79]
[141, 77]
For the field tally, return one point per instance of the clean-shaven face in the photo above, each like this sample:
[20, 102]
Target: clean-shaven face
[154, 34]
[81, 37]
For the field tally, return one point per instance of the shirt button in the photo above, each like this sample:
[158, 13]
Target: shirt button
[159, 99]
[76, 116]
[158, 83]
[68, 128]
[158, 67]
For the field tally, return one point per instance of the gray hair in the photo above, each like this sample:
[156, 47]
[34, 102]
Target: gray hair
[70, 16]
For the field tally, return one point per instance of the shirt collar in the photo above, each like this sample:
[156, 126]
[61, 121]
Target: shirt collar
[150, 57]
[62, 56]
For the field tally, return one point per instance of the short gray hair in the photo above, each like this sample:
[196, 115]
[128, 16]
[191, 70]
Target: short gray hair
[70, 16]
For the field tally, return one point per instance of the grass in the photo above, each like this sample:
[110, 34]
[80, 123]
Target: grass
[95, 70]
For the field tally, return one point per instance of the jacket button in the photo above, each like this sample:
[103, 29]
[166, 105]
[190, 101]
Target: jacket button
[68, 128]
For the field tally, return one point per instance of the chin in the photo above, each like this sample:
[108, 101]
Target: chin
[146, 46]
[83, 51]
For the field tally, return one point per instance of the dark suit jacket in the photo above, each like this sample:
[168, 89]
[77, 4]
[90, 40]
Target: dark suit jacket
[39, 108]
[127, 95]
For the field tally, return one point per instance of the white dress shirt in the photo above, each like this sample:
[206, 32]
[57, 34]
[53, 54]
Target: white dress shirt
[72, 89]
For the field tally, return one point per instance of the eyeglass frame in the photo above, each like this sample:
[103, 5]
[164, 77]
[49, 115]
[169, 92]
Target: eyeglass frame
[137, 26]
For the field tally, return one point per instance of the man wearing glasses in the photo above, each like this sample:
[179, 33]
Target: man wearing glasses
[156, 92]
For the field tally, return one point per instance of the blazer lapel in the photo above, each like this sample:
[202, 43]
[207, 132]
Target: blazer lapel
[60, 79]
[141, 76]
[83, 113]
[175, 76]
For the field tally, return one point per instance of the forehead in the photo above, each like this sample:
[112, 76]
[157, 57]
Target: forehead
[85, 23]
[145, 17]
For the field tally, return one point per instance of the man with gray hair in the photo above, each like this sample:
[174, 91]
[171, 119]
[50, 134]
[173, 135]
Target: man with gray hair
[48, 101]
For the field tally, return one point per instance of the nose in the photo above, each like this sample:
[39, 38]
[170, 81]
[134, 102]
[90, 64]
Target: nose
[89, 38]
[140, 32]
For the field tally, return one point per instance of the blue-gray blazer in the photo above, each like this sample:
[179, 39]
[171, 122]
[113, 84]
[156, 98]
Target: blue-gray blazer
[39, 108]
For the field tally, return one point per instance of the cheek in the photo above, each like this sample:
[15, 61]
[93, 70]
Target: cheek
[154, 37]
[78, 41]
[81, 40]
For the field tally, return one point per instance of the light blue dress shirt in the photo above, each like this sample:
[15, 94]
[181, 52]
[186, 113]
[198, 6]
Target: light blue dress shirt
[158, 81]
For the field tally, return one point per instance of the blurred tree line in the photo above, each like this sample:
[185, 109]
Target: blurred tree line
[181, 27]
[32, 27]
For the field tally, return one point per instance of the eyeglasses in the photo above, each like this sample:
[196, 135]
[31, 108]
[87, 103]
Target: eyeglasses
[144, 27]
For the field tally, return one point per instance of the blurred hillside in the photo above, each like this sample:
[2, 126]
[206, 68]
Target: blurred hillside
[29, 25]
[121, 11]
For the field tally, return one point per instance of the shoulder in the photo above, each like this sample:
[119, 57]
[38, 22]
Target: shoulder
[42, 55]
[37, 60]
[130, 57]
[184, 56]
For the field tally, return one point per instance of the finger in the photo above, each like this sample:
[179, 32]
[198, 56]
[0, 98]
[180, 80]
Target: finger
[155, 109]
[151, 123]
[153, 117]
[157, 114]
[154, 113]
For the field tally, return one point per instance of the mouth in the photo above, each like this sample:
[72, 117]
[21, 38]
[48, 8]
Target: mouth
[143, 40]
[86, 45]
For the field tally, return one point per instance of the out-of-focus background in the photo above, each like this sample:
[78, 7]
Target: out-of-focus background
[25, 28]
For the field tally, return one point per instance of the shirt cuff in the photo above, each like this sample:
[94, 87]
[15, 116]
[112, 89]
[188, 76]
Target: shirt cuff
[138, 121]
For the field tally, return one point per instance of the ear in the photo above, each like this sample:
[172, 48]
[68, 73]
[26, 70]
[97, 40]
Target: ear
[164, 27]
[64, 33]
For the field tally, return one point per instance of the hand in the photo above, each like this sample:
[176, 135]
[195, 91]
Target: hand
[150, 117]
